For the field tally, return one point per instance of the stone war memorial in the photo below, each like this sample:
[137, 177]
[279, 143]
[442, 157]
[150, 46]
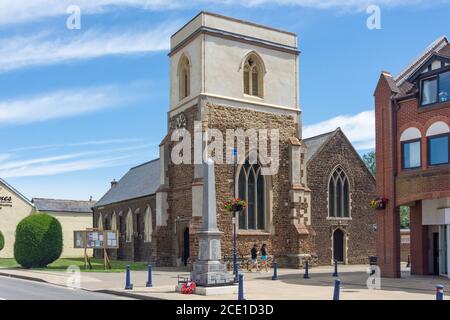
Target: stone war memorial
[209, 271]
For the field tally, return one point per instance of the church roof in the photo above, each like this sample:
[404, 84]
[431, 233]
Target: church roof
[57, 205]
[314, 144]
[140, 181]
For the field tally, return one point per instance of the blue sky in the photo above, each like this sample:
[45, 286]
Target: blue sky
[80, 107]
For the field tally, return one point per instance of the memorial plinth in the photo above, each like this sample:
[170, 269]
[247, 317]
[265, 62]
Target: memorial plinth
[208, 270]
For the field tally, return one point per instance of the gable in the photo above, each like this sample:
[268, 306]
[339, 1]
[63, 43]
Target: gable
[340, 135]
[9, 195]
[434, 64]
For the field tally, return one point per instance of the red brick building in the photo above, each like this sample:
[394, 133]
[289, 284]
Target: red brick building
[412, 133]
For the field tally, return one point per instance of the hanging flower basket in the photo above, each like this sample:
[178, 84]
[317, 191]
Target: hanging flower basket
[235, 205]
[379, 203]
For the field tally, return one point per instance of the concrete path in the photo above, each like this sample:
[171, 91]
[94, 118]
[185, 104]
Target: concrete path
[259, 285]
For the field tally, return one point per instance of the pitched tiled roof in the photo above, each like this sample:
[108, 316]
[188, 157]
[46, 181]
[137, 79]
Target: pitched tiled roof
[390, 81]
[314, 144]
[445, 51]
[138, 182]
[56, 205]
[405, 90]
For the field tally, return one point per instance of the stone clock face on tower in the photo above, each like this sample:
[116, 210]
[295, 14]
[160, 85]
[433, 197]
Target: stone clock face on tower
[181, 121]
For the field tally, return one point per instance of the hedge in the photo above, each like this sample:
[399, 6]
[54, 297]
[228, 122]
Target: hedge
[2, 241]
[38, 241]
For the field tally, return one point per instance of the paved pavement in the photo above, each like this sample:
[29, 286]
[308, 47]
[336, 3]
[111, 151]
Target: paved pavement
[18, 289]
[259, 285]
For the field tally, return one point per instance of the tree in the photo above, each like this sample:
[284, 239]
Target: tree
[369, 160]
[38, 241]
[404, 217]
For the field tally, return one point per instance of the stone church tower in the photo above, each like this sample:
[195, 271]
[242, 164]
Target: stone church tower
[228, 74]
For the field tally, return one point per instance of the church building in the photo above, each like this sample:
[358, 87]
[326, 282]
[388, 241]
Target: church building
[227, 74]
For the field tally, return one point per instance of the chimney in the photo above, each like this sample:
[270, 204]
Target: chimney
[113, 183]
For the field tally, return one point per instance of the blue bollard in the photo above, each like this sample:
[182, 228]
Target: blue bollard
[337, 284]
[275, 270]
[150, 280]
[241, 287]
[128, 285]
[306, 275]
[335, 273]
[439, 292]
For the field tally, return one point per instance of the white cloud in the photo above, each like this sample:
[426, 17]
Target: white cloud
[19, 166]
[22, 11]
[68, 103]
[360, 128]
[76, 144]
[46, 48]
[48, 169]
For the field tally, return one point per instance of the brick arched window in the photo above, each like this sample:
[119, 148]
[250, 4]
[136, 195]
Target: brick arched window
[251, 187]
[338, 194]
[438, 136]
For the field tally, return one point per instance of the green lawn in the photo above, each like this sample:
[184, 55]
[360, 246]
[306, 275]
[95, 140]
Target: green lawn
[97, 265]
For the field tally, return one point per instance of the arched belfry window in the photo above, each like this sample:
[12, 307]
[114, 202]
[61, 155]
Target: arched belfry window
[184, 77]
[251, 187]
[253, 76]
[339, 194]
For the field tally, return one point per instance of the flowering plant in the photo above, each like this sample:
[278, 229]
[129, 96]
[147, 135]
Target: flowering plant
[379, 203]
[235, 205]
[188, 287]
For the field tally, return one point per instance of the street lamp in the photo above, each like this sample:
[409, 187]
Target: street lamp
[235, 266]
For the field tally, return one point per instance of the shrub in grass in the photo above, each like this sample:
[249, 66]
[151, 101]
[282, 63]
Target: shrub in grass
[38, 241]
[2, 241]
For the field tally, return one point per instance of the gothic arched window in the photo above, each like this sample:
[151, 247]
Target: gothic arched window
[339, 195]
[100, 222]
[253, 72]
[148, 226]
[129, 226]
[114, 221]
[184, 77]
[251, 188]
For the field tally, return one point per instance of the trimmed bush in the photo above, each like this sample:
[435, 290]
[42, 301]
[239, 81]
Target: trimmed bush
[38, 241]
[2, 241]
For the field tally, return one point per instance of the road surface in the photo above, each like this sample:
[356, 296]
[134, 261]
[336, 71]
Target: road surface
[18, 289]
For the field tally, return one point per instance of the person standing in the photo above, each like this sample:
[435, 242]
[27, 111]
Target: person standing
[264, 257]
